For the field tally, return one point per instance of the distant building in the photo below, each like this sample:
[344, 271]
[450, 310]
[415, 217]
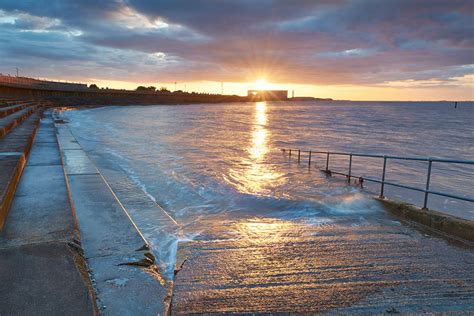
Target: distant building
[267, 95]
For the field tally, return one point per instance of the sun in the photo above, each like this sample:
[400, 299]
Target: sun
[261, 84]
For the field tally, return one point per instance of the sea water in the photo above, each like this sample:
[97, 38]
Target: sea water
[209, 165]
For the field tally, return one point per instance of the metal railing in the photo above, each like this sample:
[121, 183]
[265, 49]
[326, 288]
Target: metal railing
[382, 181]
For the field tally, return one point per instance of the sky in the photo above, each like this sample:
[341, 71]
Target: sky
[354, 49]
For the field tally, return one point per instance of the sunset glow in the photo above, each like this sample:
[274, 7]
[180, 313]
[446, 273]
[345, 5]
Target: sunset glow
[319, 50]
[261, 84]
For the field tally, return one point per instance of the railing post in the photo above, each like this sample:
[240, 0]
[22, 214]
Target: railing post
[309, 159]
[327, 163]
[289, 155]
[350, 169]
[428, 176]
[383, 177]
[299, 155]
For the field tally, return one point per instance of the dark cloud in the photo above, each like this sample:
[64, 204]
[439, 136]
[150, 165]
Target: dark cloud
[314, 42]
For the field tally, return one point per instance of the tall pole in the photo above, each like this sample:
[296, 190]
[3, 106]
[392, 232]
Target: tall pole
[175, 85]
[17, 71]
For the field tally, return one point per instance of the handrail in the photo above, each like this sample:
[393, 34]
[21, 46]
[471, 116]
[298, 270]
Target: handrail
[382, 181]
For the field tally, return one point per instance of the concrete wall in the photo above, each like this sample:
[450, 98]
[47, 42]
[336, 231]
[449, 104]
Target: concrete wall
[439, 222]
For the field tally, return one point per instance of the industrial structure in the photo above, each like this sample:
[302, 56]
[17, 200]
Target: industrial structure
[267, 95]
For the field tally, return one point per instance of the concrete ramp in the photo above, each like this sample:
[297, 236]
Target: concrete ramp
[275, 266]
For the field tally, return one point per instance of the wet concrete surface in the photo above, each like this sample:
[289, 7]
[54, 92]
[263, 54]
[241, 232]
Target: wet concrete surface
[128, 290]
[41, 269]
[348, 265]
[42, 279]
[45, 155]
[126, 282]
[162, 232]
[41, 210]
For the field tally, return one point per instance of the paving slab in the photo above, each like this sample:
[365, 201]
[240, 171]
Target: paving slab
[76, 162]
[63, 130]
[46, 133]
[45, 137]
[104, 225]
[129, 290]
[66, 139]
[45, 155]
[42, 279]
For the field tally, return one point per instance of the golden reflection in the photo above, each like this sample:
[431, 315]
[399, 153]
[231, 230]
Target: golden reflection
[258, 176]
[260, 113]
[259, 149]
[265, 230]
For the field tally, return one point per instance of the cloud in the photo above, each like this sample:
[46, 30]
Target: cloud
[311, 42]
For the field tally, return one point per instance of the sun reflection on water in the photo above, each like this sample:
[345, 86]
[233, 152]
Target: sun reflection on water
[258, 176]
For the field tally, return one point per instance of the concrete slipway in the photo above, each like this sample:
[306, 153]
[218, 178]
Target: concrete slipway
[74, 243]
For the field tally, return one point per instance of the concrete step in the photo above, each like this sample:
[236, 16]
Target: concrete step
[5, 111]
[40, 256]
[11, 102]
[21, 136]
[12, 165]
[14, 149]
[9, 122]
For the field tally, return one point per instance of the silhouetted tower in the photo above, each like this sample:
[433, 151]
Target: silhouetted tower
[175, 85]
[293, 93]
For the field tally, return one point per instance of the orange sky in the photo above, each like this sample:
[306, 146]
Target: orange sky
[357, 50]
[391, 91]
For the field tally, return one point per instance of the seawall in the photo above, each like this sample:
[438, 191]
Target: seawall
[436, 221]
[116, 97]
